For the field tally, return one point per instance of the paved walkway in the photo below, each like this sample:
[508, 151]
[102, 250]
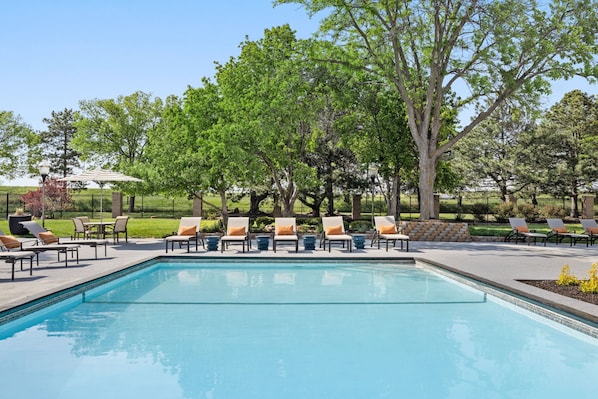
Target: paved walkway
[500, 263]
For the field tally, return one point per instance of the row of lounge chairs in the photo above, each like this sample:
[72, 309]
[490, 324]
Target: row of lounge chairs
[558, 231]
[13, 250]
[285, 232]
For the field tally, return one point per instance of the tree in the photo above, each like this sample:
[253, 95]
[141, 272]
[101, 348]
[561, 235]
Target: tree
[485, 51]
[566, 147]
[270, 102]
[114, 133]
[493, 149]
[382, 138]
[56, 142]
[15, 136]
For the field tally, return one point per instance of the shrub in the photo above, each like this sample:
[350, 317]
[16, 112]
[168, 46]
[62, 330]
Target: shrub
[527, 211]
[553, 211]
[504, 211]
[262, 222]
[590, 285]
[479, 211]
[566, 278]
[360, 226]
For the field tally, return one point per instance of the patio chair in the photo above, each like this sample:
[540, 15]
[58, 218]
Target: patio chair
[237, 231]
[81, 230]
[591, 228]
[520, 231]
[333, 230]
[386, 229]
[189, 230]
[47, 241]
[285, 231]
[559, 231]
[119, 227]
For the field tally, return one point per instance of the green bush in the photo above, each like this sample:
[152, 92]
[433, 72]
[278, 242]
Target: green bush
[504, 211]
[261, 223]
[360, 226]
[479, 211]
[553, 211]
[527, 211]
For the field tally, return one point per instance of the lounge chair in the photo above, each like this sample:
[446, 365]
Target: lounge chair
[386, 229]
[591, 228]
[11, 251]
[520, 231]
[119, 227]
[189, 230]
[285, 231]
[559, 231]
[237, 231]
[47, 241]
[333, 230]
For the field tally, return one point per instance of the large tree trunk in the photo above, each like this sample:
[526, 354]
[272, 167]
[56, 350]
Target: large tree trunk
[255, 200]
[427, 176]
[131, 204]
[394, 204]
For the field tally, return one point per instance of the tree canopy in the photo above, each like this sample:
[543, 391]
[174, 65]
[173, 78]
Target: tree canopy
[484, 51]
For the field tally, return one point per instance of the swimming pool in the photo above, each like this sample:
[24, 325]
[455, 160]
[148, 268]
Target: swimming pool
[291, 329]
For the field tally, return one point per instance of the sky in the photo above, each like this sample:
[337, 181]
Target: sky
[57, 53]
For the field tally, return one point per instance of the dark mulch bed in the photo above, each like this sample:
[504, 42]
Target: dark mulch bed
[571, 291]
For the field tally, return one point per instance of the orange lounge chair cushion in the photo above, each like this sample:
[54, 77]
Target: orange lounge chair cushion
[593, 230]
[561, 230]
[10, 242]
[334, 230]
[48, 237]
[522, 229]
[236, 231]
[187, 230]
[285, 230]
[388, 229]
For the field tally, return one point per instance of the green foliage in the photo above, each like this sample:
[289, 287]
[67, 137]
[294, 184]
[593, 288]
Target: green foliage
[480, 211]
[527, 211]
[553, 211]
[504, 211]
[55, 143]
[360, 226]
[566, 278]
[262, 223]
[15, 135]
[590, 285]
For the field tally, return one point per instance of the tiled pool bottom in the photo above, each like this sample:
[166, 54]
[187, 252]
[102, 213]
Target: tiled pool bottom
[293, 330]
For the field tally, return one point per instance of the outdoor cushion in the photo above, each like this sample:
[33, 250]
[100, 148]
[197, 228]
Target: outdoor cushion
[285, 230]
[388, 229]
[593, 230]
[10, 242]
[561, 230]
[236, 231]
[48, 237]
[187, 230]
[522, 229]
[334, 230]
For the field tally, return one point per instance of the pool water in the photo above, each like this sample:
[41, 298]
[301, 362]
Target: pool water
[292, 330]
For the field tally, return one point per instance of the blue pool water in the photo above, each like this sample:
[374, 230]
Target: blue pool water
[294, 330]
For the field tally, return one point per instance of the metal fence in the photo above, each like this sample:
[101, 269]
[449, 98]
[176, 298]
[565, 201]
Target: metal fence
[88, 203]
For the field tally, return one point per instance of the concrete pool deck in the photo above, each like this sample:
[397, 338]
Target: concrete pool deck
[498, 263]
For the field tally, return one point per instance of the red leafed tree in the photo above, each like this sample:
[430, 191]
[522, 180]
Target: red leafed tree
[57, 198]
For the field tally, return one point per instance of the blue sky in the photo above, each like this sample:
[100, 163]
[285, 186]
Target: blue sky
[56, 53]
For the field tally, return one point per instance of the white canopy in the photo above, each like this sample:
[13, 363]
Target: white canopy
[101, 177]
